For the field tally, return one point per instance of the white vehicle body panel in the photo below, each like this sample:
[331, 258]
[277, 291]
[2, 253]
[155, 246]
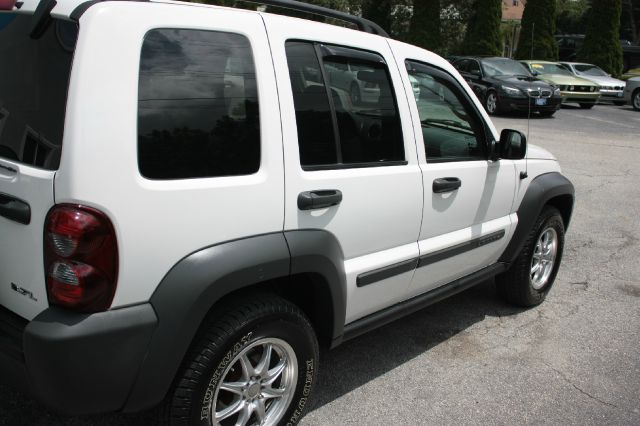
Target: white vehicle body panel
[99, 163]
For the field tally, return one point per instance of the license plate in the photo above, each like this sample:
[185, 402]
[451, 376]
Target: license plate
[541, 101]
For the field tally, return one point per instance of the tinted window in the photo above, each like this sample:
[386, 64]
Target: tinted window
[33, 89]
[316, 138]
[451, 127]
[197, 105]
[345, 107]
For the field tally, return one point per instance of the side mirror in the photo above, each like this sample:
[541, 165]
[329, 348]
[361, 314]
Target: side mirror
[513, 144]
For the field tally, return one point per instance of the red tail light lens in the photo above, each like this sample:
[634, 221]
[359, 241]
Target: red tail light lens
[81, 258]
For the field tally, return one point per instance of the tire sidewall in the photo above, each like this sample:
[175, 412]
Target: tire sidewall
[295, 334]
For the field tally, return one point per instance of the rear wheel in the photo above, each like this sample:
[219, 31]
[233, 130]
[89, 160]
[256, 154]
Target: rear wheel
[635, 100]
[587, 105]
[491, 103]
[532, 274]
[253, 365]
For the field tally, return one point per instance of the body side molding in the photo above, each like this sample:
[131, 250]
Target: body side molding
[542, 189]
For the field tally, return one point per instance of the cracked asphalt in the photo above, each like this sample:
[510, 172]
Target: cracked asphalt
[469, 360]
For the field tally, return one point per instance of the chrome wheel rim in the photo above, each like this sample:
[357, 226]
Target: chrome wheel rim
[492, 102]
[544, 258]
[636, 101]
[257, 386]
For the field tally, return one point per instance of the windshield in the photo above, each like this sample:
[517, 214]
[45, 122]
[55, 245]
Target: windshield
[34, 76]
[497, 67]
[590, 70]
[543, 68]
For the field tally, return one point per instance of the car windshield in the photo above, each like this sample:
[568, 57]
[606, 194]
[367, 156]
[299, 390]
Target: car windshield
[590, 70]
[497, 67]
[546, 68]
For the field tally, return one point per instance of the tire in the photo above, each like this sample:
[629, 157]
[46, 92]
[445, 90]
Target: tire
[619, 103]
[587, 106]
[491, 103]
[635, 100]
[521, 285]
[231, 350]
[356, 96]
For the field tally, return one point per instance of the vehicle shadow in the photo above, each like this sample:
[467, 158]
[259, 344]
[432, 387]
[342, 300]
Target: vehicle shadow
[342, 370]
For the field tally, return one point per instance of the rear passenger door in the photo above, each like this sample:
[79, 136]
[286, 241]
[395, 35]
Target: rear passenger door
[348, 140]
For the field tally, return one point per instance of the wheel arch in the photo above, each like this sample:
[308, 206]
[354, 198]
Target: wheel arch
[305, 267]
[547, 189]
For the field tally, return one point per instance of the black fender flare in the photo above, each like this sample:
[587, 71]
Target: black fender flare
[188, 291]
[541, 190]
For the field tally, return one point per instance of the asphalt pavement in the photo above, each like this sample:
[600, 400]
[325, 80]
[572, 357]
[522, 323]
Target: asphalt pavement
[472, 359]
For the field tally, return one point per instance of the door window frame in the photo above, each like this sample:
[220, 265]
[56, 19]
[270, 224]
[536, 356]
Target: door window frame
[466, 101]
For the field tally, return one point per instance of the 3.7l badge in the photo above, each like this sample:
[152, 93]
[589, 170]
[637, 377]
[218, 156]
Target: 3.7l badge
[23, 291]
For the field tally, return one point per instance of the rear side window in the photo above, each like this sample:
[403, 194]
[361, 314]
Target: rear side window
[346, 111]
[34, 78]
[197, 105]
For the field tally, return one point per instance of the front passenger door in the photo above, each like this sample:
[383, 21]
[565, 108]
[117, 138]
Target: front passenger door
[467, 217]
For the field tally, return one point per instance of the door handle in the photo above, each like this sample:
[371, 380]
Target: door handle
[446, 184]
[15, 209]
[319, 199]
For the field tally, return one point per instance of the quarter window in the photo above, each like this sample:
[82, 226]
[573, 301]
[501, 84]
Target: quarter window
[197, 105]
[346, 111]
[451, 128]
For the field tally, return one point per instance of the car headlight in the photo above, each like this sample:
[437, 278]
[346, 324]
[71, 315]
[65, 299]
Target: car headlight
[512, 91]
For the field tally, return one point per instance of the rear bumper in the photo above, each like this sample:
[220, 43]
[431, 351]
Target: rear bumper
[77, 363]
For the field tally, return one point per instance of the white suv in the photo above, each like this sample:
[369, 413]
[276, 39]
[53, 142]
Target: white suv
[189, 206]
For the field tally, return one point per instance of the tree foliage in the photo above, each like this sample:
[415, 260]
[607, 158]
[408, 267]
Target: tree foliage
[601, 43]
[483, 31]
[380, 12]
[571, 16]
[538, 28]
[424, 30]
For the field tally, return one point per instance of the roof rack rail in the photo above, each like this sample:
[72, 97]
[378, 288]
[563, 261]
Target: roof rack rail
[362, 23]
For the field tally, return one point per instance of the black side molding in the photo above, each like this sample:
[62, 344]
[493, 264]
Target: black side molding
[386, 272]
[410, 306]
[541, 191]
[15, 209]
[448, 252]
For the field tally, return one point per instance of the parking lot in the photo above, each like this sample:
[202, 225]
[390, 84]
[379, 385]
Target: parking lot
[475, 360]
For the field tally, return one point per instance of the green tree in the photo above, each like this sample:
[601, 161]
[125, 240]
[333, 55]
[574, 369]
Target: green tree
[538, 27]
[601, 43]
[483, 32]
[571, 16]
[380, 12]
[424, 29]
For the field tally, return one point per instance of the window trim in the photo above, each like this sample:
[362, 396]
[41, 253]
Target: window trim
[361, 56]
[486, 133]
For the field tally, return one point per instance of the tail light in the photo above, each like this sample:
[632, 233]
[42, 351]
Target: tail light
[81, 258]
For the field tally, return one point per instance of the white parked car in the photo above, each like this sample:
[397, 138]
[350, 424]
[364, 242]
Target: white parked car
[188, 210]
[632, 93]
[611, 89]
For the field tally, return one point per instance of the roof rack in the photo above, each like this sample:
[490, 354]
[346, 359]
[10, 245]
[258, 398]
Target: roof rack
[362, 23]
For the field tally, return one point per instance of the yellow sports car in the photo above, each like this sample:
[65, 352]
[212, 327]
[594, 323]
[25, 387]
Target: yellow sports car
[573, 89]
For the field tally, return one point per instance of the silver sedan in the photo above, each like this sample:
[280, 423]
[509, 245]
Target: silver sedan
[632, 92]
